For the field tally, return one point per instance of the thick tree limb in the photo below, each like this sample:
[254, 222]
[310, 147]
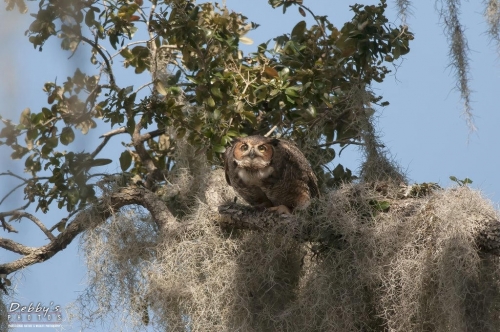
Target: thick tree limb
[237, 216]
[86, 219]
[16, 247]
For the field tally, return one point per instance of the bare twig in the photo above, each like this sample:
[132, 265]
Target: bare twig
[104, 57]
[143, 86]
[7, 226]
[11, 212]
[271, 131]
[11, 191]
[24, 214]
[100, 147]
[347, 142]
[14, 175]
[118, 131]
[152, 134]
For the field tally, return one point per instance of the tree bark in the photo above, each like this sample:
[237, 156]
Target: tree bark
[86, 219]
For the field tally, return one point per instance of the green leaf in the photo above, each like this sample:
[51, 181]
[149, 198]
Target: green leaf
[298, 30]
[216, 91]
[125, 160]
[89, 18]
[67, 135]
[291, 92]
[210, 102]
[216, 113]
[219, 148]
[61, 227]
[467, 181]
[232, 133]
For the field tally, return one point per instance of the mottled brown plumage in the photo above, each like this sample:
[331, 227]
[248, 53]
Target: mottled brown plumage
[270, 173]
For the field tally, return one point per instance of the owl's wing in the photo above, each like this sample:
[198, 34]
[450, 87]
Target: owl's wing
[294, 158]
[227, 156]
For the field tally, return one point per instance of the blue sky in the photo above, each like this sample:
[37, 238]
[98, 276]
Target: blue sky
[422, 126]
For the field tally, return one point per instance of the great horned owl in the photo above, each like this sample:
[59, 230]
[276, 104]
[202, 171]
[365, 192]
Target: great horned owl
[270, 173]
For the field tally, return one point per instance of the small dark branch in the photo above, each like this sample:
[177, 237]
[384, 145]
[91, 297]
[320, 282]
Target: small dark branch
[114, 132]
[11, 212]
[320, 24]
[92, 217]
[9, 173]
[347, 142]
[143, 86]
[152, 134]
[100, 147]
[153, 173]
[6, 226]
[74, 51]
[62, 222]
[16, 247]
[104, 57]
[24, 214]
[11, 191]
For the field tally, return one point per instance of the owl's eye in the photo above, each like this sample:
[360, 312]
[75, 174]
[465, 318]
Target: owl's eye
[244, 147]
[262, 148]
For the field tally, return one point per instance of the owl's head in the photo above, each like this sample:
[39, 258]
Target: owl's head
[255, 152]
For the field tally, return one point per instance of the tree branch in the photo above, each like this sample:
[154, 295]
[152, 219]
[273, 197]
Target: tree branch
[24, 214]
[88, 218]
[237, 216]
[106, 60]
[114, 132]
[16, 247]
[152, 134]
[347, 142]
[100, 147]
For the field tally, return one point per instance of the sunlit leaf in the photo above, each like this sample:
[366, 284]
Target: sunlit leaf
[219, 148]
[160, 88]
[246, 40]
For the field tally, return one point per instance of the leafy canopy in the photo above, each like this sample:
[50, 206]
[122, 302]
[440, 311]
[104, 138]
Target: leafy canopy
[202, 88]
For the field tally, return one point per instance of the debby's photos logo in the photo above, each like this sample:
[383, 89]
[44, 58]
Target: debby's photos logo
[34, 315]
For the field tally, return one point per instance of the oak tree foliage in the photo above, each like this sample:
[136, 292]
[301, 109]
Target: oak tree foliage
[202, 86]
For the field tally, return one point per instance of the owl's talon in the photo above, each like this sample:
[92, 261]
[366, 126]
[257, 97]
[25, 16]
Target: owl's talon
[280, 209]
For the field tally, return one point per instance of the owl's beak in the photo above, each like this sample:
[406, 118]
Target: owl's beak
[252, 153]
